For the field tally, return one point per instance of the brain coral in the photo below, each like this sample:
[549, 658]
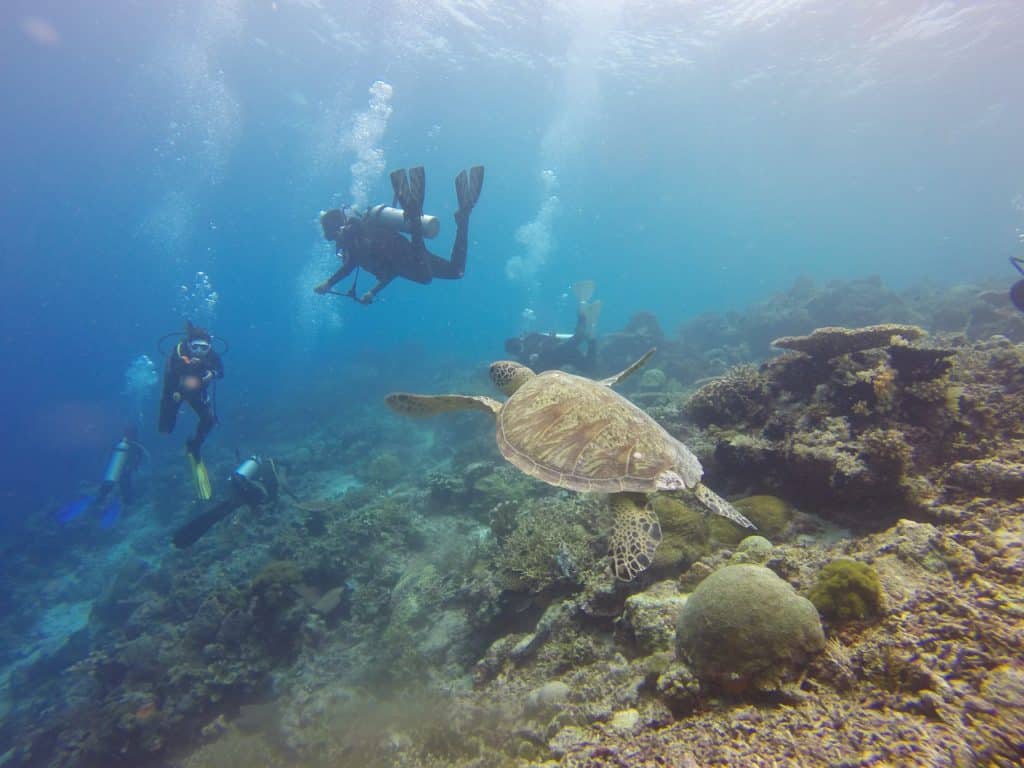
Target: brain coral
[744, 627]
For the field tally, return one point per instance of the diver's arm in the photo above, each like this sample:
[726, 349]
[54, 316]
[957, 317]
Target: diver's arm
[214, 367]
[346, 269]
[367, 298]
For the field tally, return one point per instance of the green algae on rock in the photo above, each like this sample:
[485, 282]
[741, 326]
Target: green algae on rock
[753, 549]
[684, 533]
[770, 514]
[745, 628]
[847, 589]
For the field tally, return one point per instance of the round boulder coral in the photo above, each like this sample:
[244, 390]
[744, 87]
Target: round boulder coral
[744, 627]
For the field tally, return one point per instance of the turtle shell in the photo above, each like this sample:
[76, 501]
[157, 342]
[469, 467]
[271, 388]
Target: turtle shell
[579, 434]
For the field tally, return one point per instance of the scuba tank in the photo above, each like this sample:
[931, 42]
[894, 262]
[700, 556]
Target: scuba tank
[117, 461]
[250, 483]
[394, 219]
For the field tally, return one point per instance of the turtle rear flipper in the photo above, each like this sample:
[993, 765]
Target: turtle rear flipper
[618, 377]
[636, 534]
[431, 405]
[720, 506]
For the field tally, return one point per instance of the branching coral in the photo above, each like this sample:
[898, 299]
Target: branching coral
[551, 542]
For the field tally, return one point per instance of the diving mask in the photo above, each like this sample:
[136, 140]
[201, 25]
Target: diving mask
[199, 347]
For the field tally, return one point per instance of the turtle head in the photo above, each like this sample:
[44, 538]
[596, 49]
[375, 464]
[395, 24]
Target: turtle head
[508, 376]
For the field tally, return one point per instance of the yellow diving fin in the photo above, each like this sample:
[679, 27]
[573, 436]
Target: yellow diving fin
[201, 478]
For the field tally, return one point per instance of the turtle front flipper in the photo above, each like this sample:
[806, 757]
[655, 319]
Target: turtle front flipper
[431, 405]
[636, 534]
[720, 506]
[613, 380]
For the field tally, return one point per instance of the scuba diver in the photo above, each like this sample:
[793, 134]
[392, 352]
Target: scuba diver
[124, 460]
[1017, 289]
[191, 368]
[372, 241]
[548, 351]
[254, 483]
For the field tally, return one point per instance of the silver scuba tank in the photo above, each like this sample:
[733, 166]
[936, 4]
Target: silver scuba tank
[394, 219]
[117, 461]
[246, 480]
[249, 469]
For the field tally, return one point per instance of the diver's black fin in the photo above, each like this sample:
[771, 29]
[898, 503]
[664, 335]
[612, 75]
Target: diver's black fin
[468, 186]
[413, 204]
[194, 529]
[400, 184]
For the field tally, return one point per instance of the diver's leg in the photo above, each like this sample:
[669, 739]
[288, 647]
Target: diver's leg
[443, 269]
[168, 413]
[590, 359]
[99, 500]
[467, 190]
[126, 489]
[206, 421]
[455, 268]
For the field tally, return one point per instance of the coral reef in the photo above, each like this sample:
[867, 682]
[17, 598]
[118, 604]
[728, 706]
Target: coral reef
[550, 541]
[854, 438]
[426, 605]
[744, 627]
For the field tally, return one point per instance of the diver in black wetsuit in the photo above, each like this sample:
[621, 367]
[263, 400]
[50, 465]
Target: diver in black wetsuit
[253, 483]
[365, 242]
[550, 351]
[1017, 289]
[190, 369]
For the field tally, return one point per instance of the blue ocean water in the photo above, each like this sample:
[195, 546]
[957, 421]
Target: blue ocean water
[686, 157]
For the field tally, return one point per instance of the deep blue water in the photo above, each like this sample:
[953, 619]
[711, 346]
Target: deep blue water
[703, 156]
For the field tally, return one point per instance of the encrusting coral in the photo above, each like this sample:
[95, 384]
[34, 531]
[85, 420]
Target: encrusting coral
[847, 589]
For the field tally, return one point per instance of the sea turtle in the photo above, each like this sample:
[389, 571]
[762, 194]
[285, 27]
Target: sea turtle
[577, 433]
